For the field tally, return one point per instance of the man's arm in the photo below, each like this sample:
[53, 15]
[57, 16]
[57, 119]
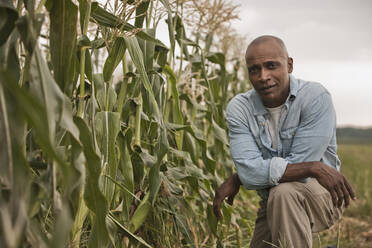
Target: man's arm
[313, 136]
[309, 144]
[328, 177]
[255, 171]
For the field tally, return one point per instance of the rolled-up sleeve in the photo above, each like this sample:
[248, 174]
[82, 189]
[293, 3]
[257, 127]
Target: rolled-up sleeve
[254, 171]
[317, 126]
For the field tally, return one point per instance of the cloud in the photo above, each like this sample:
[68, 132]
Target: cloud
[315, 30]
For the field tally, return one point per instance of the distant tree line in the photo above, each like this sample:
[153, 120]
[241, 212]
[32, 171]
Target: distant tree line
[354, 135]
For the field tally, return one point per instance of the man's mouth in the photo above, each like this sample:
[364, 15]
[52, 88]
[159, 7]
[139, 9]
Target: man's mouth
[267, 88]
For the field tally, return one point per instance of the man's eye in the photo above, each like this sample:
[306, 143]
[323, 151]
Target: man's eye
[271, 66]
[253, 70]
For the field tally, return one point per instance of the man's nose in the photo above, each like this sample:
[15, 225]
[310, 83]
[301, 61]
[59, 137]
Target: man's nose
[265, 75]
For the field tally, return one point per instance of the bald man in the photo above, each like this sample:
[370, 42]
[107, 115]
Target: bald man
[283, 143]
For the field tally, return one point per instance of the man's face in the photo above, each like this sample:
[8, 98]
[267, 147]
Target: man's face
[268, 69]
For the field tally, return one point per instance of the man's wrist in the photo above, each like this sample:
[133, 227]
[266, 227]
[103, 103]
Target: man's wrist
[236, 179]
[314, 169]
[298, 171]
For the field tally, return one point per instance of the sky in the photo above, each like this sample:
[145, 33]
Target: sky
[330, 42]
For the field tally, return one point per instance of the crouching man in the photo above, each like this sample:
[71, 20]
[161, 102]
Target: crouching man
[283, 143]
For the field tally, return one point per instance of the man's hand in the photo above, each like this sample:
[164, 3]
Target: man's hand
[335, 183]
[328, 177]
[228, 189]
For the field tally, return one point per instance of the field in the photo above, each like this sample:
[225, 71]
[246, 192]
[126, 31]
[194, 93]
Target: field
[355, 228]
[111, 138]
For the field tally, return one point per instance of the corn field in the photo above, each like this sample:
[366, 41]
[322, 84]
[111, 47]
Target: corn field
[93, 160]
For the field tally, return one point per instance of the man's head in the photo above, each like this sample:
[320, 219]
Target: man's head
[268, 68]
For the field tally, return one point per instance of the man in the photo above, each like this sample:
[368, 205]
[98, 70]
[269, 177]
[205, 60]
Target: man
[283, 143]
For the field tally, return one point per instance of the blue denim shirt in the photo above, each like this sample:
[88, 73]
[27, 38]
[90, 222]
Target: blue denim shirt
[307, 132]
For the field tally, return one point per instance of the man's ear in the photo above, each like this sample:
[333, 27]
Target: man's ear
[290, 65]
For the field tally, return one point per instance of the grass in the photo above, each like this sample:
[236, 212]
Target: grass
[355, 228]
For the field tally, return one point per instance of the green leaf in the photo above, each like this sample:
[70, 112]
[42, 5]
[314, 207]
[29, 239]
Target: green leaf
[170, 26]
[62, 228]
[181, 35]
[212, 220]
[205, 77]
[29, 30]
[8, 17]
[93, 196]
[209, 162]
[154, 182]
[183, 155]
[107, 128]
[8, 56]
[101, 97]
[185, 229]
[220, 133]
[141, 13]
[129, 233]
[193, 103]
[30, 106]
[140, 214]
[105, 18]
[148, 159]
[6, 159]
[148, 50]
[84, 41]
[116, 54]
[63, 19]
[217, 58]
[83, 9]
[137, 58]
[58, 106]
[127, 172]
[88, 66]
[155, 178]
[190, 147]
[177, 113]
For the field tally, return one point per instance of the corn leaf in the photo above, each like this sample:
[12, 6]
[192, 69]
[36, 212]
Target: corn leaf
[137, 58]
[63, 19]
[148, 50]
[6, 159]
[140, 214]
[177, 113]
[155, 178]
[62, 229]
[107, 127]
[105, 18]
[116, 54]
[212, 220]
[141, 13]
[127, 172]
[170, 26]
[220, 133]
[8, 17]
[129, 233]
[94, 198]
[102, 96]
[210, 163]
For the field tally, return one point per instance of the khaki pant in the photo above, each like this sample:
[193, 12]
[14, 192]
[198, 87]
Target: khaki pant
[292, 213]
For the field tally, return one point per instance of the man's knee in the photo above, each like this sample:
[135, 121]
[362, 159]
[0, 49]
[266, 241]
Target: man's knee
[283, 193]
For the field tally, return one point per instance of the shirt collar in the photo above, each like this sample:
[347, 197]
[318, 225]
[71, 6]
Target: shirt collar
[259, 108]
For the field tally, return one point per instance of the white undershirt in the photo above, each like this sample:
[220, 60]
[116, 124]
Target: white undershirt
[273, 124]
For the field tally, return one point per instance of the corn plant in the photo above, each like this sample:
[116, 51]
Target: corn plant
[87, 160]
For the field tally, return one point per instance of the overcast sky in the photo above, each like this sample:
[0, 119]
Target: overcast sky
[330, 42]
